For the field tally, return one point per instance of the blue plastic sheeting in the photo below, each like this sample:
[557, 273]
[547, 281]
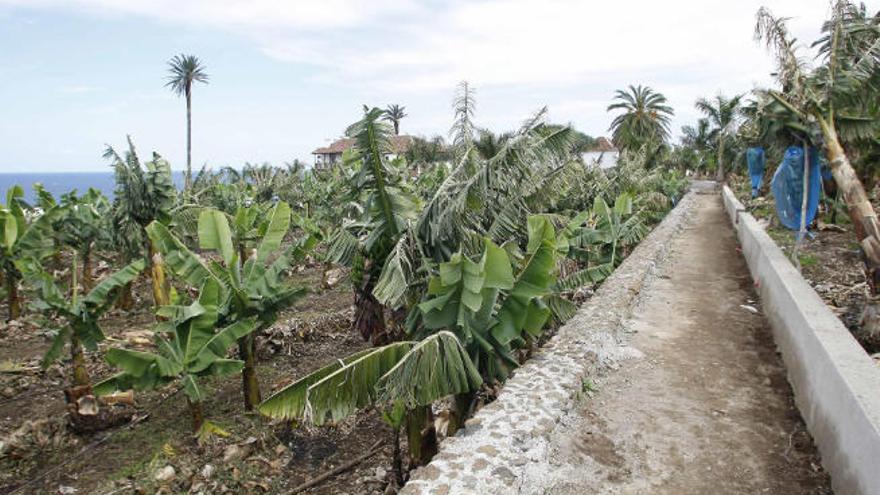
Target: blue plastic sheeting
[755, 159]
[788, 187]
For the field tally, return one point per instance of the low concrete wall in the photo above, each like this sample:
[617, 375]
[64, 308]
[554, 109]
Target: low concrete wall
[835, 382]
[503, 440]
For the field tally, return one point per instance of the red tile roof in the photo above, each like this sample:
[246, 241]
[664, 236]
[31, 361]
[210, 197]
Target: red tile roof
[399, 144]
[603, 144]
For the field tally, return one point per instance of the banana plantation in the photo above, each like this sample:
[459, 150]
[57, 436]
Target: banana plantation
[345, 327]
[157, 302]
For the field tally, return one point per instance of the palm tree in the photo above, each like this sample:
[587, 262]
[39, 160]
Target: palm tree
[183, 71]
[645, 118]
[394, 114]
[723, 114]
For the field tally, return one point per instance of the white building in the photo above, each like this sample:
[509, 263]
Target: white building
[604, 155]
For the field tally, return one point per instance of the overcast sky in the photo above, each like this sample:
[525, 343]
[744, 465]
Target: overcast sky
[289, 76]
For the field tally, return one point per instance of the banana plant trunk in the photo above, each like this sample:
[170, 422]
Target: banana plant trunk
[12, 296]
[396, 458]
[197, 414]
[421, 436]
[462, 407]
[250, 386]
[369, 314]
[864, 220]
[126, 298]
[87, 279]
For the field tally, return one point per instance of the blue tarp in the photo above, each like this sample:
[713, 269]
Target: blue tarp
[788, 187]
[755, 159]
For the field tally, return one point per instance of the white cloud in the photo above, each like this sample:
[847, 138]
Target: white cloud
[574, 52]
[235, 14]
[77, 89]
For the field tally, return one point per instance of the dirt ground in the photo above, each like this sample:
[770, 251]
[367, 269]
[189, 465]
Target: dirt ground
[707, 408]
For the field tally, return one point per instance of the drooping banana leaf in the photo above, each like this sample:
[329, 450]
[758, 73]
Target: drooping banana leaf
[353, 385]
[434, 368]
[290, 401]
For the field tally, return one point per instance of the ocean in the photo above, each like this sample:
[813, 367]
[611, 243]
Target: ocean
[59, 183]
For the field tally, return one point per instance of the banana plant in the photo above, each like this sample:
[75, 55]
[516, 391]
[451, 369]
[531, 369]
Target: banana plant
[83, 225]
[613, 231]
[249, 288]
[386, 206]
[144, 193]
[495, 304]
[82, 314]
[191, 345]
[474, 314]
[21, 240]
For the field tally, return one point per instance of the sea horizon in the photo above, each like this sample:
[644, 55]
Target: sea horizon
[59, 183]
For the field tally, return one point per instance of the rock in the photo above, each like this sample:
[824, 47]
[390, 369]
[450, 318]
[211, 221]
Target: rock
[332, 277]
[66, 490]
[380, 473]
[235, 453]
[87, 405]
[167, 473]
[139, 338]
[749, 308]
[207, 471]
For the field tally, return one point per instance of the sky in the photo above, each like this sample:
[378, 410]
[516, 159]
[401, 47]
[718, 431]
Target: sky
[288, 76]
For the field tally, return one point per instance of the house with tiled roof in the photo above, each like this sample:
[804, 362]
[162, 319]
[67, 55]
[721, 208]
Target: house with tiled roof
[329, 155]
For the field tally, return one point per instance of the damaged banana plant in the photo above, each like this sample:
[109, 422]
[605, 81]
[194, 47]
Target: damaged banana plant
[475, 313]
[81, 313]
[250, 281]
[190, 345]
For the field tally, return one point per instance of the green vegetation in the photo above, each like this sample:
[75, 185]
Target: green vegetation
[461, 256]
[190, 345]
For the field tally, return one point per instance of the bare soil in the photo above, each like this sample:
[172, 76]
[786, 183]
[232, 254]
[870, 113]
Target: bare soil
[707, 408]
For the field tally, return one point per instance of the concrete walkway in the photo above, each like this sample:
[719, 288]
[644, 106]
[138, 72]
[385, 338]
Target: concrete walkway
[704, 406]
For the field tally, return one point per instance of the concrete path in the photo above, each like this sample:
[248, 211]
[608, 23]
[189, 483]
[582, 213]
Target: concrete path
[706, 408]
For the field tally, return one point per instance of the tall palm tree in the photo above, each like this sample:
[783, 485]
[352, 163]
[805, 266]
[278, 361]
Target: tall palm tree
[645, 118]
[723, 115]
[394, 114]
[184, 70]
